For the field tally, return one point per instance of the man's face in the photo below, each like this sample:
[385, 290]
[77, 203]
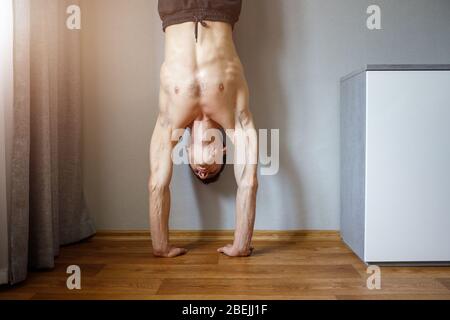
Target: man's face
[206, 149]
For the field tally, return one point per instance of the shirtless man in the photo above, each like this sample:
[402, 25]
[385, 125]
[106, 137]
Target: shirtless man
[202, 87]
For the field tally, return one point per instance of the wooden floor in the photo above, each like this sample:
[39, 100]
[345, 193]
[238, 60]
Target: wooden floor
[312, 265]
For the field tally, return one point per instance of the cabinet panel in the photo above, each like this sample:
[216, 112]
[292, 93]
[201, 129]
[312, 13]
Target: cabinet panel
[407, 166]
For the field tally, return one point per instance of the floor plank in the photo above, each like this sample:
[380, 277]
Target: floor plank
[230, 272]
[291, 266]
[296, 287]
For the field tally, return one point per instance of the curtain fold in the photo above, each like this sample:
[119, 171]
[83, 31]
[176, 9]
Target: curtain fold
[47, 203]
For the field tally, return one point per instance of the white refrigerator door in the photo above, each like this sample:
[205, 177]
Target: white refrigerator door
[408, 166]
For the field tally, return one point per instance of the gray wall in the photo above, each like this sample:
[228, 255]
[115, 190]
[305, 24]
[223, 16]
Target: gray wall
[294, 52]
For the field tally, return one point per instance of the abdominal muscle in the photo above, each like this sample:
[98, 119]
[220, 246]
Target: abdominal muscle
[200, 80]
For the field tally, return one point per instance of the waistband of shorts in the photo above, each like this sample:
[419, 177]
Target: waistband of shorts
[196, 15]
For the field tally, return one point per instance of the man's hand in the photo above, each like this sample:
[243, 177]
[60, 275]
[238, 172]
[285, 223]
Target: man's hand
[232, 251]
[172, 252]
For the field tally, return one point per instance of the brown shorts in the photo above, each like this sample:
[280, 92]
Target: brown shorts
[180, 11]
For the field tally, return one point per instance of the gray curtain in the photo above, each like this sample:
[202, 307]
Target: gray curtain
[47, 207]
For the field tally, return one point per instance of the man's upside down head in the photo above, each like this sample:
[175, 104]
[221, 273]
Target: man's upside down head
[207, 150]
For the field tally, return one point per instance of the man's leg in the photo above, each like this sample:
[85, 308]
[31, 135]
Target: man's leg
[161, 168]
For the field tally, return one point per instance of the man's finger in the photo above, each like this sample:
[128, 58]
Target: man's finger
[177, 252]
[221, 250]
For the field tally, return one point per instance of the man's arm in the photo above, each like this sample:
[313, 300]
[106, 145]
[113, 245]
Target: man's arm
[161, 168]
[245, 169]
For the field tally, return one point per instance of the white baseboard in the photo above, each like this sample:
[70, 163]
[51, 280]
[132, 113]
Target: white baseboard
[3, 276]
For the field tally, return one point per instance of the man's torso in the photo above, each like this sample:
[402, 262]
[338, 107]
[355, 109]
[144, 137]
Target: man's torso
[201, 79]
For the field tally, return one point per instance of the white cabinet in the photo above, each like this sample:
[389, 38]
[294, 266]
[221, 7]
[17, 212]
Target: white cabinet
[395, 163]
